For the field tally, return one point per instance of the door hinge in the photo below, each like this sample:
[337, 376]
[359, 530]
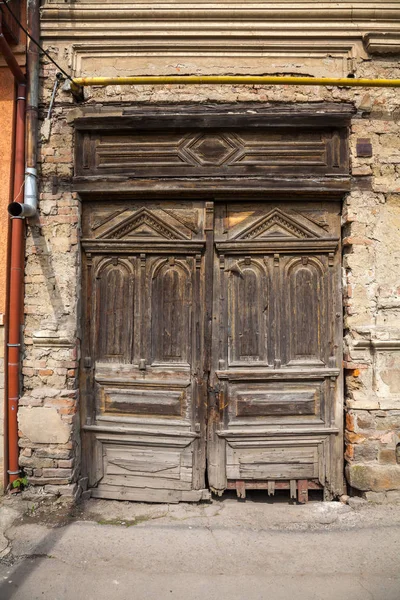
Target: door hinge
[213, 394]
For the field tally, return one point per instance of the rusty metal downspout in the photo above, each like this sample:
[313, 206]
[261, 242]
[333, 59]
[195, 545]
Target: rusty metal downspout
[15, 292]
[16, 266]
[25, 178]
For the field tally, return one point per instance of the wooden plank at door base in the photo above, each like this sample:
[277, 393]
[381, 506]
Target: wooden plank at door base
[240, 489]
[293, 488]
[302, 491]
[278, 485]
[149, 495]
[271, 488]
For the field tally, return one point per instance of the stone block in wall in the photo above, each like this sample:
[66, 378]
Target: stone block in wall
[375, 478]
[43, 425]
[375, 497]
[388, 377]
[68, 490]
[393, 496]
[55, 452]
[366, 452]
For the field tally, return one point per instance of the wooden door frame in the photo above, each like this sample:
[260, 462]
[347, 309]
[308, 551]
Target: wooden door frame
[202, 182]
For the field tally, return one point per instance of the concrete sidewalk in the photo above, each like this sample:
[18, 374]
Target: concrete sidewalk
[226, 549]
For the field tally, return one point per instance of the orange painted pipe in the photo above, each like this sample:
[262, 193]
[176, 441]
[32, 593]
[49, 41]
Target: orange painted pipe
[15, 297]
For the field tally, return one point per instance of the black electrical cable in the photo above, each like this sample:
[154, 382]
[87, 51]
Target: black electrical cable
[33, 40]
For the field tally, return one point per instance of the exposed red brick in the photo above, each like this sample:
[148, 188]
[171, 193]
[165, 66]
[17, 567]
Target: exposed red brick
[349, 422]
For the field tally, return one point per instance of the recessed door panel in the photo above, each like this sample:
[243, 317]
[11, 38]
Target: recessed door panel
[171, 305]
[114, 307]
[247, 319]
[278, 402]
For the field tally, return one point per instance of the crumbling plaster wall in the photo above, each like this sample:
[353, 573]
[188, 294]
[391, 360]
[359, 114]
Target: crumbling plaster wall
[49, 421]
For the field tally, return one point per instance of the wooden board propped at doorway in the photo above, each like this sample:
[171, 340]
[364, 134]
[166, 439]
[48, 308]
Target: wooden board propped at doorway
[298, 487]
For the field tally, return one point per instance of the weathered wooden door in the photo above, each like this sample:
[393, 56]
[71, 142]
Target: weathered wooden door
[276, 410]
[218, 316]
[143, 377]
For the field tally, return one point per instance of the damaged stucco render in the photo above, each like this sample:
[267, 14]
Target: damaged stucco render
[330, 45]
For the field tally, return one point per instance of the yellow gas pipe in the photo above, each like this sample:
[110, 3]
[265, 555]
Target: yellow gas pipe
[79, 82]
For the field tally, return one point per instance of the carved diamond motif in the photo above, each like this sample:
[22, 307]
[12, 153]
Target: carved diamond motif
[211, 149]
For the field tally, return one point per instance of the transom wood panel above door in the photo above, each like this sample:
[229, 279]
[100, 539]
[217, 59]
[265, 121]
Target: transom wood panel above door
[210, 330]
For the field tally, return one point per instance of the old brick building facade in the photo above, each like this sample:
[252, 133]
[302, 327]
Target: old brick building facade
[356, 39]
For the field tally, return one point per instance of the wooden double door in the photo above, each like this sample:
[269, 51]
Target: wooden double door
[211, 348]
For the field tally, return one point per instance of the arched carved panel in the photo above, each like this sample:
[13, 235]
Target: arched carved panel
[114, 312]
[248, 305]
[171, 312]
[307, 311]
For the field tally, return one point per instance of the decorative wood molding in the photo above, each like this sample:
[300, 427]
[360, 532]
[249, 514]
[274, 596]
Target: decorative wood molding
[136, 431]
[250, 115]
[277, 232]
[271, 374]
[234, 433]
[147, 246]
[272, 245]
[213, 153]
[246, 189]
[139, 220]
[277, 223]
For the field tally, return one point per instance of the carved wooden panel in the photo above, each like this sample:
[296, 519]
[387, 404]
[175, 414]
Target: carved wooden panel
[248, 294]
[240, 152]
[306, 334]
[144, 401]
[160, 472]
[171, 294]
[274, 461]
[279, 402]
[114, 311]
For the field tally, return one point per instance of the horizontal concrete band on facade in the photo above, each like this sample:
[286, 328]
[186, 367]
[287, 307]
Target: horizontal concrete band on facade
[307, 25]
[354, 12]
[233, 79]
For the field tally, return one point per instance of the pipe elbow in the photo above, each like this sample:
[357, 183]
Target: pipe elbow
[16, 209]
